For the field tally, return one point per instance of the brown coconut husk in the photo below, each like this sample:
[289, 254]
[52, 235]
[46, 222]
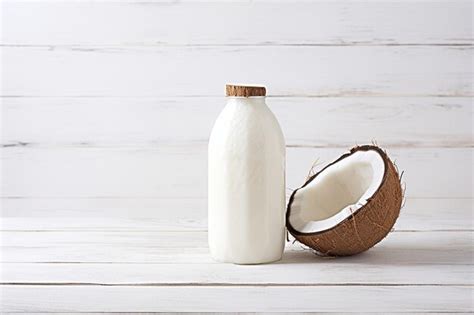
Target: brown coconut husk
[368, 225]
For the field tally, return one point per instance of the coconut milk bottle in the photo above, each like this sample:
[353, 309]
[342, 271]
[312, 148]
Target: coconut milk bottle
[246, 201]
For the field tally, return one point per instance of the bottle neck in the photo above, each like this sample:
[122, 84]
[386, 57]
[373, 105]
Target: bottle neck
[250, 101]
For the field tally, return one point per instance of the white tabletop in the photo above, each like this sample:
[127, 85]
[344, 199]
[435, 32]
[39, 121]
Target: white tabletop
[99, 264]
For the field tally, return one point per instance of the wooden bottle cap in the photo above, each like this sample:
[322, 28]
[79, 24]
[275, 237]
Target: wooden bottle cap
[244, 90]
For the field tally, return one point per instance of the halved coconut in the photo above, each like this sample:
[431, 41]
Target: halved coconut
[349, 206]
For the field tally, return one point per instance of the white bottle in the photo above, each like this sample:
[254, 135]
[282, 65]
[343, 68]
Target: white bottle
[246, 181]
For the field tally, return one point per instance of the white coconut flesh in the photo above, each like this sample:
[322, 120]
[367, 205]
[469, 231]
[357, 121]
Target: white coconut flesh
[337, 192]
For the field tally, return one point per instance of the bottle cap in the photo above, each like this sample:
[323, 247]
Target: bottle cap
[244, 90]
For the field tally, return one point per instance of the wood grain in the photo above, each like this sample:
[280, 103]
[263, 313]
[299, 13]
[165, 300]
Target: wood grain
[203, 71]
[309, 271]
[318, 122]
[219, 299]
[246, 23]
[106, 112]
[175, 171]
[205, 313]
[137, 214]
[399, 248]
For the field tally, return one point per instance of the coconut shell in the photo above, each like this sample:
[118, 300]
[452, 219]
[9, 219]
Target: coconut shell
[368, 225]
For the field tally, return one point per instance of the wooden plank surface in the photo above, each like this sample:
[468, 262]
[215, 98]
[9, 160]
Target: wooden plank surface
[104, 138]
[304, 272]
[176, 171]
[136, 214]
[201, 313]
[246, 23]
[255, 299]
[206, 313]
[437, 248]
[203, 71]
[321, 121]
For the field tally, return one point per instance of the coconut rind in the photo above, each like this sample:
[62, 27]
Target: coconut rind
[368, 225]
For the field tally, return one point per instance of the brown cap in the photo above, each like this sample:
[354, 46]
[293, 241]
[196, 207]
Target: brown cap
[244, 90]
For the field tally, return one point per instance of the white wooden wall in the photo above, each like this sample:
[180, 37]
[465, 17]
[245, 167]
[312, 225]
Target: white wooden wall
[107, 108]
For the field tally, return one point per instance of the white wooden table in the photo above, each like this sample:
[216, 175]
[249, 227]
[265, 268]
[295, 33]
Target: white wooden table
[137, 262]
[106, 110]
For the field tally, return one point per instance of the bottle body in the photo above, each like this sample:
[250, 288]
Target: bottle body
[246, 188]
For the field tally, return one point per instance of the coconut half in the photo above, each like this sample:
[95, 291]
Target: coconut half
[349, 206]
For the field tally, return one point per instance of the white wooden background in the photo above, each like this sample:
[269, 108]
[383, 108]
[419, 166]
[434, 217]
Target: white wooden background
[106, 112]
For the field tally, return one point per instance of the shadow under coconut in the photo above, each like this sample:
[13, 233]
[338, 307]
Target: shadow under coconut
[410, 253]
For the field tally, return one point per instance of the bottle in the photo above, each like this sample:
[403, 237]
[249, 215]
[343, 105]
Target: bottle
[246, 188]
